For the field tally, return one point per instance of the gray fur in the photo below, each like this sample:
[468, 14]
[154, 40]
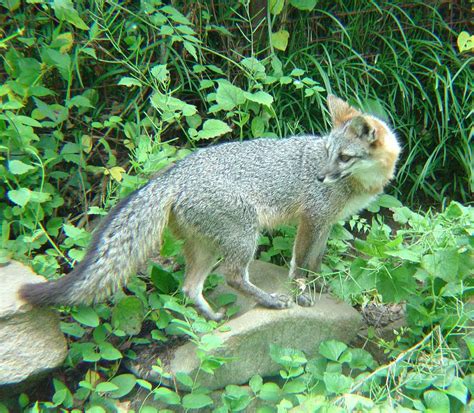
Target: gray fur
[217, 200]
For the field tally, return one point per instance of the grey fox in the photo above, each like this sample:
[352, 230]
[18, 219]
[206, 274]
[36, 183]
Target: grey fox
[219, 198]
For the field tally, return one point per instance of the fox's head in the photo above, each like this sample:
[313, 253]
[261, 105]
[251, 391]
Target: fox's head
[360, 146]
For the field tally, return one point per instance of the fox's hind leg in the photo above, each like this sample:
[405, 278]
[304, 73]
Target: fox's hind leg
[238, 251]
[200, 258]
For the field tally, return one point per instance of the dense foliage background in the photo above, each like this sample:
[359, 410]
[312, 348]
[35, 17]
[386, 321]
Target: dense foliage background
[95, 97]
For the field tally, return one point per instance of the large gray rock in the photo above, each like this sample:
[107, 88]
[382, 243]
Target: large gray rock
[252, 331]
[31, 343]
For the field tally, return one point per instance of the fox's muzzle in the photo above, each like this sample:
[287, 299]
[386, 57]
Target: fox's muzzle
[329, 178]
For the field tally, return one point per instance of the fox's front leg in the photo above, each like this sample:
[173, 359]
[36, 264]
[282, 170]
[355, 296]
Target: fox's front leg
[308, 251]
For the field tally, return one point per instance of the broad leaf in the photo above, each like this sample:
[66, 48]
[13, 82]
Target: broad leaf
[129, 82]
[280, 39]
[64, 10]
[332, 349]
[125, 384]
[196, 401]
[213, 128]
[128, 315]
[19, 167]
[85, 315]
[260, 97]
[306, 5]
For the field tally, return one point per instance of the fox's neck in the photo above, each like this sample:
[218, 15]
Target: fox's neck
[371, 183]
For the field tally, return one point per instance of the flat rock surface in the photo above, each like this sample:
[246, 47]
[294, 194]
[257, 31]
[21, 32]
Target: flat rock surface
[252, 331]
[31, 343]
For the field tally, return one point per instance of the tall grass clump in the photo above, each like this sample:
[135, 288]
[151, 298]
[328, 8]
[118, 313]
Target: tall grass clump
[401, 63]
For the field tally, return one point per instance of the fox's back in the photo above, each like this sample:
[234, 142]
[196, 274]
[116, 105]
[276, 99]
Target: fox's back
[259, 167]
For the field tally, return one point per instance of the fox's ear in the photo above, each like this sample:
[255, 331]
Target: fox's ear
[361, 128]
[340, 111]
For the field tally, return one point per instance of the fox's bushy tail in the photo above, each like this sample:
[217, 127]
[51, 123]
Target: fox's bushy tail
[129, 234]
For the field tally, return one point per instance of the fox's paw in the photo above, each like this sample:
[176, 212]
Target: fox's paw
[219, 316]
[280, 301]
[305, 300]
[211, 315]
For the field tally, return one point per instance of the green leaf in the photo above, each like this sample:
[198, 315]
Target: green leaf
[59, 60]
[95, 409]
[55, 112]
[297, 72]
[166, 395]
[210, 342]
[260, 97]
[212, 128]
[167, 103]
[254, 66]
[361, 359]
[184, 379]
[437, 401]
[79, 101]
[89, 51]
[106, 387]
[225, 299]
[163, 280]
[469, 382]
[160, 73]
[270, 392]
[88, 351]
[229, 96]
[125, 384]
[405, 254]
[109, 352]
[287, 357]
[85, 315]
[39, 197]
[236, 398]
[465, 41]
[357, 403]
[332, 349]
[129, 82]
[145, 384]
[295, 386]
[150, 409]
[20, 196]
[396, 284]
[196, 401]
[72, 329]
[64, 10]
[276, 6]
[306, 5]
[279, 39]
[458, 390]
[388, 201]
[256, 383]
[337, 383]
[62, 395]
[442, 263]
[18, 167]
[205, 84]
[128, 315]
[257, 126]
[191, 49]
[11, 5]
[26, 120]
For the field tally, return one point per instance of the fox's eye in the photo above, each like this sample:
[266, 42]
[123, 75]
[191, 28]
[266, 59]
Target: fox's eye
[344, 158]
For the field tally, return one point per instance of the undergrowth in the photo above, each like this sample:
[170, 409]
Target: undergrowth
[96, 97]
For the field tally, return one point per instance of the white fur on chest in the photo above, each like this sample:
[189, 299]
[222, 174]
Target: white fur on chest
[354, 205]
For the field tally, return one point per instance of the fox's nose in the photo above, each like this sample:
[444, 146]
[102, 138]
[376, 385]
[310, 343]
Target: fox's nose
[320, 178]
